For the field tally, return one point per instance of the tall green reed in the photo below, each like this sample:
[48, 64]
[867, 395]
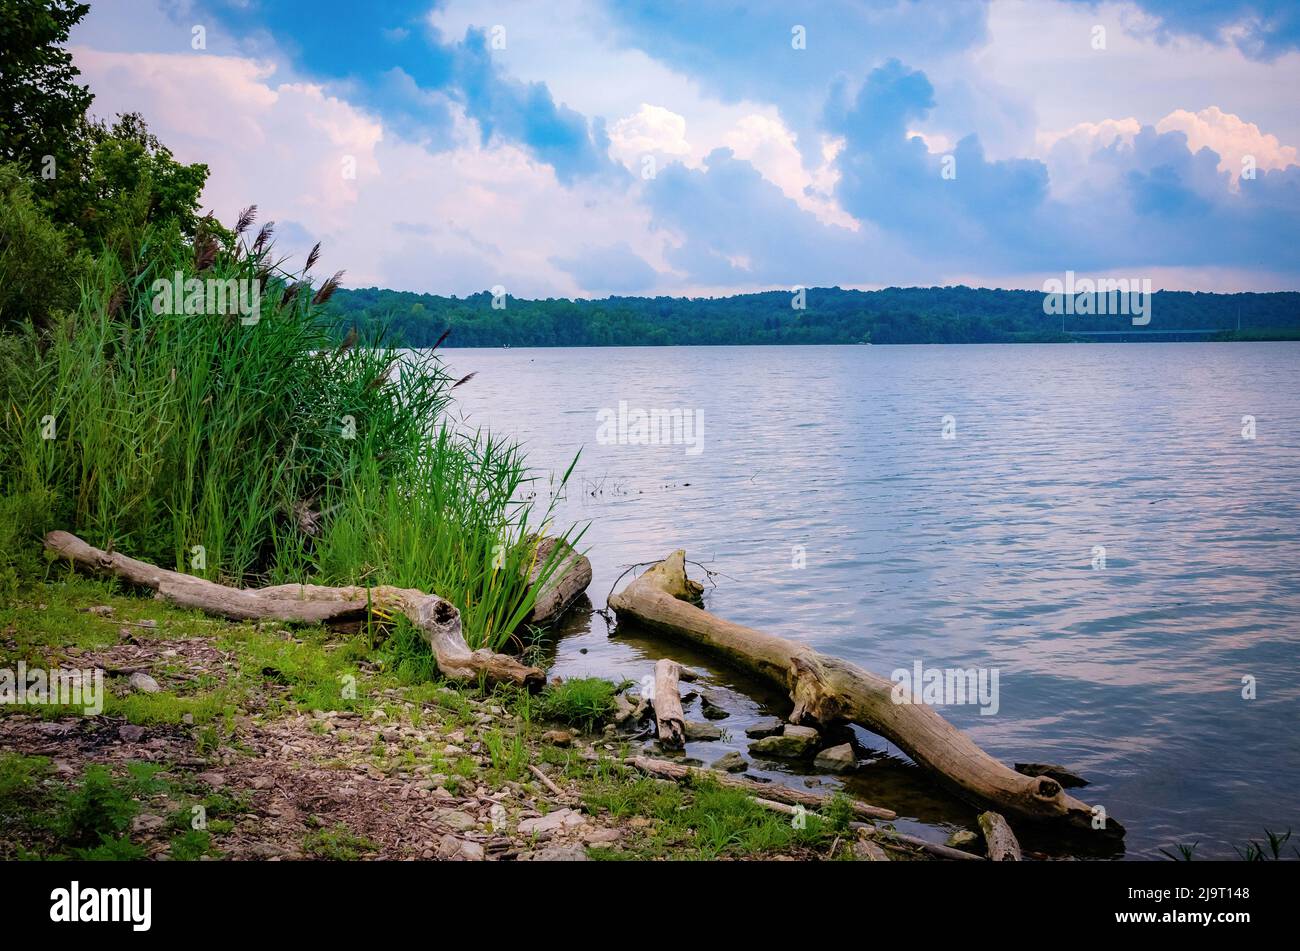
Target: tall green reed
[259, 452]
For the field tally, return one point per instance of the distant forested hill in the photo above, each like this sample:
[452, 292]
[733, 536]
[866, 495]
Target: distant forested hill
[894, 315]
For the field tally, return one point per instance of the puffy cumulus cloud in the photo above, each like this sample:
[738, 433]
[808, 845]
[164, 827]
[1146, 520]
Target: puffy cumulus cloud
[766, 143]
[392, 62]
[651, 130]
[453, 220]
[1135, 196]
[527, 113]
[1231, 137]
[892, 179]
[293, 141]
[1151, 202]
[1068, 153]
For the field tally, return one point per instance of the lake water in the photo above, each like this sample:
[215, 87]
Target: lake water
[971, 551]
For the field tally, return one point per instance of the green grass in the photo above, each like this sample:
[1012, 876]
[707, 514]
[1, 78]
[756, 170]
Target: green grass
[704, 821]
[583, 702]
[337, 844]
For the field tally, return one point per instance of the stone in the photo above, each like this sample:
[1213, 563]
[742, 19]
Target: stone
[558, 821]
[732, 762]
[767, 726]
[864, 850]
[143, 683]
[966, 840]
[452, 849]
[794, 742]
[836, 759]
[148, 823]
[702, 732]
[460, 821]
[557, 853]
[129, 733]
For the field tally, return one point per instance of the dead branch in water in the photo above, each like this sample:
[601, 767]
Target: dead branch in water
[827, 690]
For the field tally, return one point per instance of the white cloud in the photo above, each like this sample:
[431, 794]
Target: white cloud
[1231, 137]
[452, 221]
[649, 130]
[766, 143]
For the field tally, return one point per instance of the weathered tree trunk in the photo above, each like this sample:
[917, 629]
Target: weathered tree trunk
[564, 586]
[998, 838]
[827, 690]
[667, 703]
[679, 772]
[435, 617]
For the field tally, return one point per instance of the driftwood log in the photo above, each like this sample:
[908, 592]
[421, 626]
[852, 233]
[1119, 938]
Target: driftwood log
[892, 837]
[435, 617]
[565, 584]
[998, 838]
[670, 721]
[828, 690]
[680, 772]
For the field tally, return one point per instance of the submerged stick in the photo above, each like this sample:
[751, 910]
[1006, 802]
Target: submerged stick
[436, 618]
[828, 690]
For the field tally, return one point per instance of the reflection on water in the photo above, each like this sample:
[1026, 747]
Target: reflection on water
[975, 551]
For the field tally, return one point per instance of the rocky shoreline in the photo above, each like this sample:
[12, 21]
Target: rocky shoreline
[242, 763]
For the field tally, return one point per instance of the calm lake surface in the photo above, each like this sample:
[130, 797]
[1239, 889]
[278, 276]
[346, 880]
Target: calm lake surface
[974, 551]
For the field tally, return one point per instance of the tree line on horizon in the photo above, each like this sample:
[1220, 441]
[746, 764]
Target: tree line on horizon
[832, 315]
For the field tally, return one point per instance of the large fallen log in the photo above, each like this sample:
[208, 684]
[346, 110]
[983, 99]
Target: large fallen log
[435, 617]
[670, 721]
[680, 772]
[827, 690]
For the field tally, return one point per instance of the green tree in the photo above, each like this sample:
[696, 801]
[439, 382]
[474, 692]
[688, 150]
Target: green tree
[41, 104]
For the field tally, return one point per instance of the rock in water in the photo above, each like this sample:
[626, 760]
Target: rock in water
[964, 839]
[733, 762]
[768, 726]
[836, 759]
[702, 732]
[794, 742]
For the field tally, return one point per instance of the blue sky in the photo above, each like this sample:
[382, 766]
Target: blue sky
[583, 148]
